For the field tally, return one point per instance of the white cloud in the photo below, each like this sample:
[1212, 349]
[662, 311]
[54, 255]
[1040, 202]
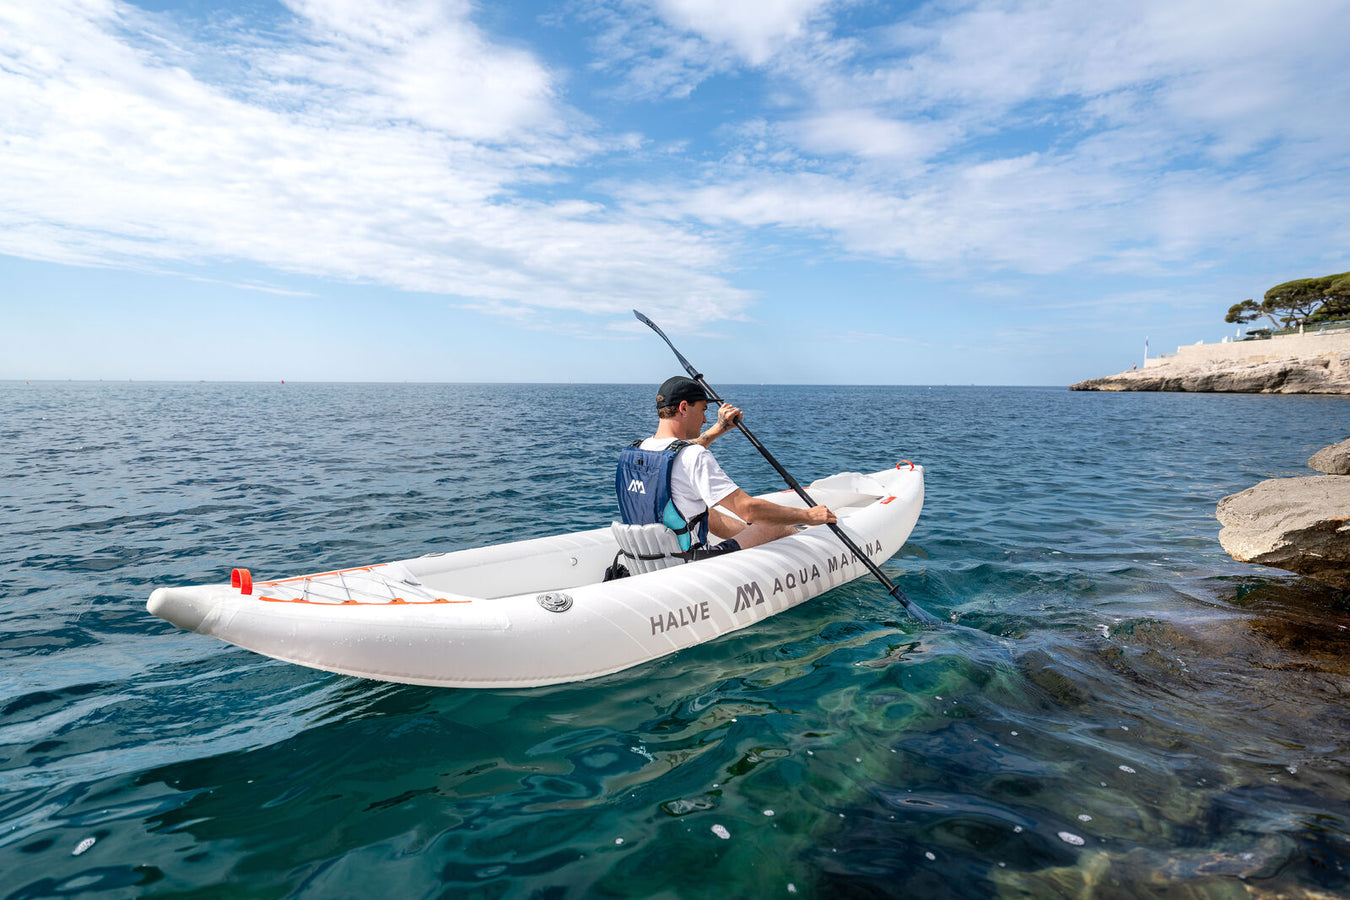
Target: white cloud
[1198, 68]
[648, 58]
[399, 143]
[1047, 136]
[867, 135]
[667, 48]
[394, 145]
[755, 30]
[422, 61]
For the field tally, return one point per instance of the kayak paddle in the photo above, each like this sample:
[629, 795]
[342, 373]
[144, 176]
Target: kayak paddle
[914, 609]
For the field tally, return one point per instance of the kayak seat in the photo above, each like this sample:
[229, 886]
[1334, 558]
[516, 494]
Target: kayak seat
[647, 548]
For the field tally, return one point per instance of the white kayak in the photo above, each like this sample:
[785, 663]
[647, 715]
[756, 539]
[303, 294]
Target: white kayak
[537, 612]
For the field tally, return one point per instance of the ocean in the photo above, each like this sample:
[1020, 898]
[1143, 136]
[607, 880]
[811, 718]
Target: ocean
[1118, 709]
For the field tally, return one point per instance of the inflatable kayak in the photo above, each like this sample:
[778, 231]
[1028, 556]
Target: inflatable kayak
[538, 611]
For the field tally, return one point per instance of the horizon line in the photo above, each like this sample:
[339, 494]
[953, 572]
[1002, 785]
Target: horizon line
[284, 381]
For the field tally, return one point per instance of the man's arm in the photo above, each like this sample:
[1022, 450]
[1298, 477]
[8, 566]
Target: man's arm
[755, 511]
[727, 417]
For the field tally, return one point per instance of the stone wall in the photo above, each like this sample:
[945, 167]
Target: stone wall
[1287, 346]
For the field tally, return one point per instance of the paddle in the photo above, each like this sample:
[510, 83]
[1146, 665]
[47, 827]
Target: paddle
[914, 609]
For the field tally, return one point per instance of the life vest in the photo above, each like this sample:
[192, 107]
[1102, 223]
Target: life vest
[642, 483]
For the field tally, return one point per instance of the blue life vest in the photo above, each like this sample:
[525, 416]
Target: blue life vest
[642, 483]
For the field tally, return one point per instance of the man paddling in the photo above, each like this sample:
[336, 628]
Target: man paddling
[702, 494]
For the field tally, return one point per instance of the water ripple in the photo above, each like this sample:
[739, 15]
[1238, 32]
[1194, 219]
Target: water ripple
[1118, 704]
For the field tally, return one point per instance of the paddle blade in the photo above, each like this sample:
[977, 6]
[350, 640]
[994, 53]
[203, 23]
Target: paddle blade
[688, 366]
[921, 615]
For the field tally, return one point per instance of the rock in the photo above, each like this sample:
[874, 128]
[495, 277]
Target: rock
[1334, 460]
[1313, 375]
[1298, 524]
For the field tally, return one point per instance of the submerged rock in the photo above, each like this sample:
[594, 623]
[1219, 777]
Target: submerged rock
[1334, 460]
[1212, 872]
[1298, 524]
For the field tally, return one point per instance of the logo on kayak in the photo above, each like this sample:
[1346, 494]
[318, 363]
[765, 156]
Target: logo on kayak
[837, 563]
[751, 594]
[636, 487]
[748, 595]
[679, 618]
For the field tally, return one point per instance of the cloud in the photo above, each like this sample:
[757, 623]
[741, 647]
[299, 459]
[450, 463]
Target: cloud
[1048, 136]
[376, 143]
[645, 57]
[421, 62]
[865, 134]
[658, 49]
[1227, 75]
[401, 144]
[755, 30]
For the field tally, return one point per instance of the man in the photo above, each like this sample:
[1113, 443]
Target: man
[701, 492]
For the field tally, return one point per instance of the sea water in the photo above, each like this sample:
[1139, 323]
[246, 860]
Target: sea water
[1118, 708]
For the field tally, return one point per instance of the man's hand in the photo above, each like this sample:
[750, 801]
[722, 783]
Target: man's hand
[727, 417]
[820, 515]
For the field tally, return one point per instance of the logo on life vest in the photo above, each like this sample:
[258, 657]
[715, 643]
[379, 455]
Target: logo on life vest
[635, 487]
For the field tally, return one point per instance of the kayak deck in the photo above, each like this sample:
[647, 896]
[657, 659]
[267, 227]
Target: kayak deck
[554, 563]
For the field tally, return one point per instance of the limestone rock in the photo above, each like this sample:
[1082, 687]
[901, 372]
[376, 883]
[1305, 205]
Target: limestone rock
[1313, 375]
[1334, 460]
[1298, 524]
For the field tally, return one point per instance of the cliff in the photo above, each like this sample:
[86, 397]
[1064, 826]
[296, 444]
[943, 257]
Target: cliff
[1291, 364]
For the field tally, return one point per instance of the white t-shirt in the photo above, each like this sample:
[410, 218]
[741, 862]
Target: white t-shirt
[697, 482]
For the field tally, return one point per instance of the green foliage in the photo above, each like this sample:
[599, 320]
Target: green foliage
[1304, 301]
[1244, 312]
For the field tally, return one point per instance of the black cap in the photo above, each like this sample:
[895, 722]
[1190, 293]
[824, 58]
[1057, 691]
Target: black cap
[673, 390]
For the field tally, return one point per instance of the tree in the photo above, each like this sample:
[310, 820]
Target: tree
[1247, 311]
[1304, 301]
[1315, 299]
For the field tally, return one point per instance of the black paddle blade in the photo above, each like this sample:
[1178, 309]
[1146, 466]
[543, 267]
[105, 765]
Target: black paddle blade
[688, 366]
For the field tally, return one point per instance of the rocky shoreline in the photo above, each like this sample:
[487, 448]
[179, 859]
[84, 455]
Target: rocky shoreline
[1292, 364]
[1318, 375]
[1298, 524]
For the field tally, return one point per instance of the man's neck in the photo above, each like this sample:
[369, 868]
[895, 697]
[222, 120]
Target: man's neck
[670, 429]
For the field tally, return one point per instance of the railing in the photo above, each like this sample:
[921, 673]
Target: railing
[1328, 328]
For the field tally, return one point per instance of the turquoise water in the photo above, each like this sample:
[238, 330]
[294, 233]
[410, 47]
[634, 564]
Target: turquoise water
[1122, 710]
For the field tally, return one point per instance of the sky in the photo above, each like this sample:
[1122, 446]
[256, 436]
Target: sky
[798, 191]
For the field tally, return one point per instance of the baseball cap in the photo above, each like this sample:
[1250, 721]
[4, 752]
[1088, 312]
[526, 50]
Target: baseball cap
[673, 390]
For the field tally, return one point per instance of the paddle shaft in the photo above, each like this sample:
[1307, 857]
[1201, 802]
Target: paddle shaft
[918, 612]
